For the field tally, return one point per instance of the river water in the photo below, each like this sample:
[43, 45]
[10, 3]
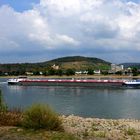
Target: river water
[81, 101]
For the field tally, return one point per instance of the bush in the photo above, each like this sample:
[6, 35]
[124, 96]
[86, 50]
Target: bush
[8, 118]
[41, 117]
[130, 131]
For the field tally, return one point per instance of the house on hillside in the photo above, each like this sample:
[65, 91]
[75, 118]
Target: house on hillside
[55, 67]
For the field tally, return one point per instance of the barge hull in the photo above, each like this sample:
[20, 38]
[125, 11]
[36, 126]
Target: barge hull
[71, 83]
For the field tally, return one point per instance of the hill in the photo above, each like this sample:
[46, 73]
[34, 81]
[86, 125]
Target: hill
[73, 62]
[79, 63]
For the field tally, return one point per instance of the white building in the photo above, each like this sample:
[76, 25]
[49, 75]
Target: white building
[97, 72]
[115, 68]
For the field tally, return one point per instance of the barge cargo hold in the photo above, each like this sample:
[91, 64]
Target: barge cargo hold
[70, 82]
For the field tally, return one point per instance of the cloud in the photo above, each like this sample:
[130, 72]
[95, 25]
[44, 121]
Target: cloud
[64, 39]
[106, 29]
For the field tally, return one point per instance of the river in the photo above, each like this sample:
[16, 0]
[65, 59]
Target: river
[81, 101]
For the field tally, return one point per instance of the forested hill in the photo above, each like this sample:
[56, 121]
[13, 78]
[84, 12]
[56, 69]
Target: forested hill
[73, 62]
[78, 59]
[79, 63]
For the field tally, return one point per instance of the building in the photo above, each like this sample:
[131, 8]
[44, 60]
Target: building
[55, 67]
[116, 68]
[81, 72]
[97, 71]
[29, 73]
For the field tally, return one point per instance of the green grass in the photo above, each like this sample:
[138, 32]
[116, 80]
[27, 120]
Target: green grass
[29, 134]
[101, 134]
[130, 131]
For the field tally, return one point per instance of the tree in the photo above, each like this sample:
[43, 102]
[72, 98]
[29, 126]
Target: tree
[104, 72]
[135, 71]
[51, 71]
[70, 72]
[119, 73]
[59, 72]
[44, 73]
[90, 71]
[36, 73]
[1, 73]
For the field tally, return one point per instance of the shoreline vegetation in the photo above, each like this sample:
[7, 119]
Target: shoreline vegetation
[41, 122]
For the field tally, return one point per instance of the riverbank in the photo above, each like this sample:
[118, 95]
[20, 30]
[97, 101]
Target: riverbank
[88, 128]
[78, 128]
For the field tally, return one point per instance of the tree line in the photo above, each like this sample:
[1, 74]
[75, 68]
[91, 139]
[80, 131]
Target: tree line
[46, 72]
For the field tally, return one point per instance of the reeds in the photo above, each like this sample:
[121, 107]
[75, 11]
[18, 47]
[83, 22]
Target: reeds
[37, 116]
[3, 106]
[10, 118]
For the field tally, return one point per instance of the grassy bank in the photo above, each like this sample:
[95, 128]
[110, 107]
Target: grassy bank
[16, 133]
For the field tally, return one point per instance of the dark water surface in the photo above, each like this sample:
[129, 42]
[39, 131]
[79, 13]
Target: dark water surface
[86, 102]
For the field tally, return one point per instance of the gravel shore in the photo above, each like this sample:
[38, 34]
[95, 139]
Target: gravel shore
[102, 129]
[81, 128]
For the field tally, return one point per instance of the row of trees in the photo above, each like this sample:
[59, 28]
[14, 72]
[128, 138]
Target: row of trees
[50, 71]
[67, 72]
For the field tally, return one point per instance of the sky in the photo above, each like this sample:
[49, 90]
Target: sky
[41, 30]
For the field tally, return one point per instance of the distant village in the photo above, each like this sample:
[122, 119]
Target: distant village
[56, 70]
[114, 69]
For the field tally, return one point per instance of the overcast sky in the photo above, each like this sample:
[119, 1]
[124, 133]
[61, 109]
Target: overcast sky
[40, 30]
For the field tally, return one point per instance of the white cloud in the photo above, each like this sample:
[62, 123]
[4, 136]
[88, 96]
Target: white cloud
[64, 39]
[60, 26]
[63, 7]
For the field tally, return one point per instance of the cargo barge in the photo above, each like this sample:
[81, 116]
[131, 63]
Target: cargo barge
[24, 81]
[66, 82]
